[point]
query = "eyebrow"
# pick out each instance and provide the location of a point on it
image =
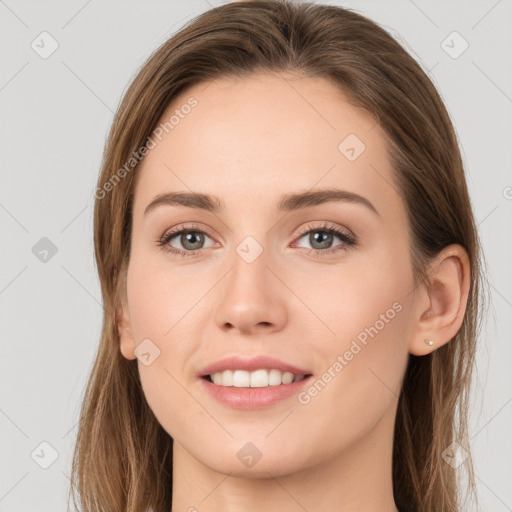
(287, 202)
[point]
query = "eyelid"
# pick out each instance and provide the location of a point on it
(184, 227)
(323, 225)
(344, 234)
(305, 229)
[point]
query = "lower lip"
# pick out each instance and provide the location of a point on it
(253, 398)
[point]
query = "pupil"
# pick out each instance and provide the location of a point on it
(191, 238)
(323, 244)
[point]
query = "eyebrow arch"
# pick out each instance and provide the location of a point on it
(287, 202)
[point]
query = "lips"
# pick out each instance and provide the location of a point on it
(251, 364)
(253, 398)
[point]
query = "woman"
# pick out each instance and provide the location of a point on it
(238, 368)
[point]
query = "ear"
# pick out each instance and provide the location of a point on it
(124, 330)
(442, 301)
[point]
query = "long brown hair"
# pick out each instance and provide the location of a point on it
(123, 457)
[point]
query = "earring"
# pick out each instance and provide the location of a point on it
(429, 342)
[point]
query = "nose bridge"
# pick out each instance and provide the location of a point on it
(249, 265)
(249, 295)
(257, 252)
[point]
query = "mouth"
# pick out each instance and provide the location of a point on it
(260, 378)
(254, 390)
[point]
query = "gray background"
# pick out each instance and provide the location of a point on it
(56, 112)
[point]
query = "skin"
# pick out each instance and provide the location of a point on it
(248, 141)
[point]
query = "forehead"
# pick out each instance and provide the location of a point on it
(253, 139)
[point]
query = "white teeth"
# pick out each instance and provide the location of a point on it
(274, 377)
(240, 379)
(257, 379)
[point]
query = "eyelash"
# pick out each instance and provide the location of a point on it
(348, 240)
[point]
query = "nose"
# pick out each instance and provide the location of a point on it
(252, 299)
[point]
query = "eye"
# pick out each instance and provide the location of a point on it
(191, 239)
(321, 239)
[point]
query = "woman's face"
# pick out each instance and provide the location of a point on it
(267, 279)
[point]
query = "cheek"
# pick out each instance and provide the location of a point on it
(159, 299)
(162, 305)
(363, 294)
(367, 311)
(158, 312)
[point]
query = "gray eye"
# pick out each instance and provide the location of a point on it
(189, 240)
(320, 239)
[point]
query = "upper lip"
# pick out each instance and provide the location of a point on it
(250, 364)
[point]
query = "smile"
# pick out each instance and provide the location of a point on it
(256, 379)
